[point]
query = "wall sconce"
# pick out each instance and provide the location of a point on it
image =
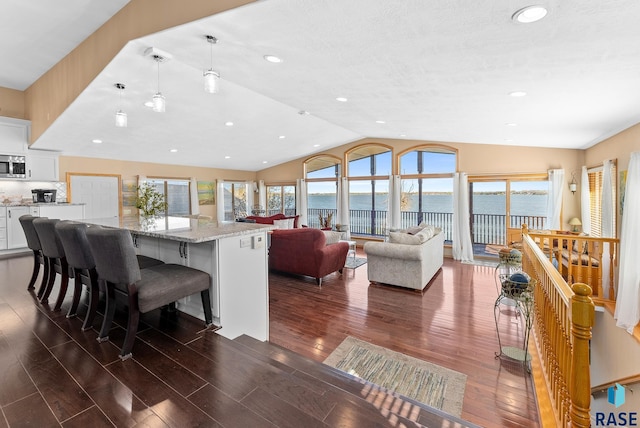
(573, 186)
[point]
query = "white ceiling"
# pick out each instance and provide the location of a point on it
(437, 70)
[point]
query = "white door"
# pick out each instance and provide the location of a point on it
(99, 193)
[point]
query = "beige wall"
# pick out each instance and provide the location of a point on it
(12, 103)
(52, 93)
(619, 147)
(130, 171)
(474, 159)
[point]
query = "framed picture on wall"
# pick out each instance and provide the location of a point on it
(206, 192)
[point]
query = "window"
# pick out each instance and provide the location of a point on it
(176, 193)
(596, 178)
(427, 187)
(281, 199)
(235, 200)
(369, 168)
(321, 173)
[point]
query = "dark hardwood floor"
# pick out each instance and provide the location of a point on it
(53, 374)
(450, 324)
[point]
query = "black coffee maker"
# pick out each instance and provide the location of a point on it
(43, 195)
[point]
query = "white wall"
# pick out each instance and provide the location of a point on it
(614, 354)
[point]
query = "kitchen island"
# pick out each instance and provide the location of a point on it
(233, 253)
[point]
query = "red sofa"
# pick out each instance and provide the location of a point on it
(304, 252)
(270, 219)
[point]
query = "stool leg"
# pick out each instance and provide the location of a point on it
(94, 296)
(64, 283)
(77, 292)
(132, 325)
(51, 280)
(45, 277)
(109, 311)
(36, 269)
(206, 306)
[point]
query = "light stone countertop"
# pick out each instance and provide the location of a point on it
(180, 228)
(40, 204)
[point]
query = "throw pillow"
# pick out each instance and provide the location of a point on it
(413, 230)
(331, 236)
(405, 238)
(283, 224)
(425, 234)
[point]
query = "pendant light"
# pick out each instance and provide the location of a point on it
(211, 77)
(159, 104)
(121, 117)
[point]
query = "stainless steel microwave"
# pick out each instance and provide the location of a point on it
(13, 166)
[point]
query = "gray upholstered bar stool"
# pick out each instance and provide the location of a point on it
(79, 258)
(33, 242)
(53, 252)
(145, 289)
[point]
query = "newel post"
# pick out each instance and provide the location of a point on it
(582, 318)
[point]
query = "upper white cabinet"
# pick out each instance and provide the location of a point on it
(42, 165)
(14, 136)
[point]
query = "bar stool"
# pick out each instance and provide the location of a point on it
(73, 236)
(79, 258)
(145, 289)
(33, 242)
(53, 252)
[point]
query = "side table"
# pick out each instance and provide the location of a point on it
(352, 247)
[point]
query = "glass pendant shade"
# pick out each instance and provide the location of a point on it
(211, 78)
(121, 119)
(159, 104)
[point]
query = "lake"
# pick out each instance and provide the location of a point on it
(521, 204)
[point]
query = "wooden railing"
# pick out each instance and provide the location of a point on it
(582, 259)
(563, 318)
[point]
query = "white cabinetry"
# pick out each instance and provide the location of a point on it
(3, 228)
(42, 165)
(14, 136)
(15, 234)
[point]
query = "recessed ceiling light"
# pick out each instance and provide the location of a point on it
(508, 140)
(173, 150)
(264, 161)
(316, 145)
(529, 14)
(380, 121)
(403, 135)
(227, 157)
(96, 141)
(342, 99)
(148, 104)
(518, 93)
(303, 113)
(511, 124)
(282, 137)
(228, 123)
(272, 58)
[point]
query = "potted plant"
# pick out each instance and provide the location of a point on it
(149, 201)
(325, 221)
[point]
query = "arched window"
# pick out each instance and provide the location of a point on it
(368, 169)
(322, 173)
(427, 174)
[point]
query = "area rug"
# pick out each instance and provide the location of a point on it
(353, 263)
(425, 382)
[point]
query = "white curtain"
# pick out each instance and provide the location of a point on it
(394, 216)
(628, 299)
(344, 213)
(607, 223)
(554, 203)
(249, 186)
(585, 202)
(220, 200)
(301, 201)
(462, 247)
(193, 195)
(262, 196)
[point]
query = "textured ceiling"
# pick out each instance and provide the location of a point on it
(437, 70)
